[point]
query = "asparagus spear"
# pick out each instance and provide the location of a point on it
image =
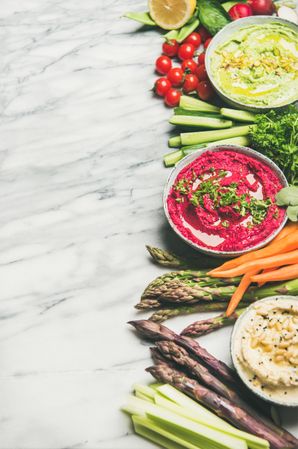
(164, 314)
(148, 303)
(203, 327)
(175, 353)
(222, 407)
(171, 260)
(155, 332)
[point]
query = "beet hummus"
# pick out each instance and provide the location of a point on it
(225, 201)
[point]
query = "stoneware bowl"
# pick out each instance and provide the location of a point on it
(223, 36)
(235, 334)
(190, 158)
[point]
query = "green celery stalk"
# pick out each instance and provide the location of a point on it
(153, 432)
(174, 141)
(142, 17)
(172, 158)
(211, 136)
(238, 116)
(142, 396)
(202, 122)
(194, 104)
(172, 34)
(145, 390)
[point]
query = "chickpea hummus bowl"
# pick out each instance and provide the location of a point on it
(264, 349)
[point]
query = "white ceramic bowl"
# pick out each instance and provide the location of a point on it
(190, 158)
(237, 334)
(225, 34)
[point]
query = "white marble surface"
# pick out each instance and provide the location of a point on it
(80, 195)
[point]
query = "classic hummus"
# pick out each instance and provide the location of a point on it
(258, 65)
(266, 348)
(225, 200)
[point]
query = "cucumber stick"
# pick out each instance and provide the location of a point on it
(212, 136)
(174, 141)
(239, 116)
(182, 111)
(212, 15)
(172, 158)
(194, 104)
(202, 122)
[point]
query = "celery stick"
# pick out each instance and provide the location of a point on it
(145, 390)
(172, 158)
(142, 396)
(202, 122)
(211, 136)
(199, 432)
(174, 141)
(252, 441)
(148, 429)
(238, 116)
(196, 105)
(195, 411)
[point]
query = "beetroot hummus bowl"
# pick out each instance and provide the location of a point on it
(221, 200)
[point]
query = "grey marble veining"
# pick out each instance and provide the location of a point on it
(81, 181)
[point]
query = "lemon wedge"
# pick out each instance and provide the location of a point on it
(171, 14)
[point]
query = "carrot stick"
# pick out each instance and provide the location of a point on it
(267, 270)
(267, 262)
(240, 290)
(290, 227)
(288, 243)
(283, 274)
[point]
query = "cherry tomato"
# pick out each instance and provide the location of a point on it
(186, 51)
(163, 64)
(193, 39)
(172, 97)
(205, 90)
(207, 42)
(175, 76)
(170, 48)
(190, 83)
(201, 73)
(161, 86)
(201, 58)
(262, 7)
(240, 10)
(189, 65)
(204, 34)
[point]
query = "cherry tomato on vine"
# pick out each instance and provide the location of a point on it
(175, 76)
(186, 51)
(193, 39)
(163, 64)
(207, 42)
(190, 83)
(204, 34)
(161, 86)
(201, 72)
(189, 65)
(201, 58)
(172, 97)
(205, 90)
(170, 48)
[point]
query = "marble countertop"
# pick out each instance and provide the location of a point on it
(81, 184)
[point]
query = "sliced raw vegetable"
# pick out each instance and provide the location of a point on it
(239, 293)
(173, 34)
(238, 116)
(202, 122)
(142, 17)
(145, 390)
(174, 141)
(211, 136)
(171, 159)
(282, 274)
(194, 104)
(182, 111)
(188, 29)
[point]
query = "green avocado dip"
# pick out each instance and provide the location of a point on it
(258, 65)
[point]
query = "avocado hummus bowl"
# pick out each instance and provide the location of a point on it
(253, 62)
(264, 348)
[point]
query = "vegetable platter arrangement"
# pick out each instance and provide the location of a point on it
(229, 70)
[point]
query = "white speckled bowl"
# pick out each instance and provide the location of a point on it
(190, 158)
(222, 36)
(236, 333)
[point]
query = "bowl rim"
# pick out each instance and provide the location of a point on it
(229, 29)
(240, 373)
(216, 148)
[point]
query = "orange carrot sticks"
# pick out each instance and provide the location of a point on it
(282, 274)
(239, 292)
